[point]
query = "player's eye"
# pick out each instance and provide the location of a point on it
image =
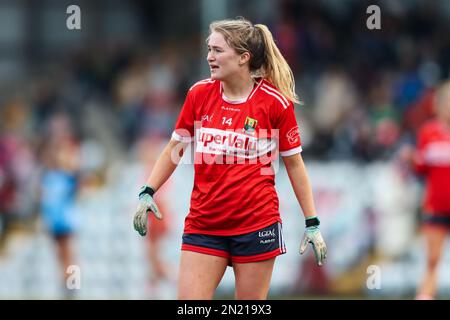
(214, 49)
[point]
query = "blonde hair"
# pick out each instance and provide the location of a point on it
(266, 59)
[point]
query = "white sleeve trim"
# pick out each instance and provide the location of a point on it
(291, 152)
(177, 137)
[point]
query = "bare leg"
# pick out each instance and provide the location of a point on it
(253, 279)
(199, 275)
(65, 256)
(435, 238)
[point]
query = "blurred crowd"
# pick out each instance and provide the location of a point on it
(364, 92)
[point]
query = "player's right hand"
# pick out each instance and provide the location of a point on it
(146, 205)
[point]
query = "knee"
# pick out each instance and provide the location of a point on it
(433, 261)
(186, 295)
(250, 294)
(250, 297)
(194, 293)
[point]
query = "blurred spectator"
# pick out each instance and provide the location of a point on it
(60, 159)
(335, 100)
(17, 164)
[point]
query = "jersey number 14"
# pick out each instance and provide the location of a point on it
(227, 121)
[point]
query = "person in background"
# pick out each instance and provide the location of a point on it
(60, 156)
(431, 159)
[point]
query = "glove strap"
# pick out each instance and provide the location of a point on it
(147, 190)
(312, 222)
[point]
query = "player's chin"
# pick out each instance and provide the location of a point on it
(215, 76)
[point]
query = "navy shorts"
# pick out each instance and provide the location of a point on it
(259, 245)
(442, 219)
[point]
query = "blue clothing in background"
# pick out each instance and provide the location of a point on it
(57, 201)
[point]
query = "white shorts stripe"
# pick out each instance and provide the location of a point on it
(282, 245)
(279, 239)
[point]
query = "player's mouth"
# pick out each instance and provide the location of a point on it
(213, 67)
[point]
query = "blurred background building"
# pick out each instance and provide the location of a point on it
(121, 81)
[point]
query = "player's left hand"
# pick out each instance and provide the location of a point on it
(312, 235)
(146, 205)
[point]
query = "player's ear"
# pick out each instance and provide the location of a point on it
(244, 58)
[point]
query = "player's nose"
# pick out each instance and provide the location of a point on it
(210, 57)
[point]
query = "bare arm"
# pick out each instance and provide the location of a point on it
(163, 169)
(166, 164)
(296, 170)
(302, 189)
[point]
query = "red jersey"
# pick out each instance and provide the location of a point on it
(433, 161)
(235, 142)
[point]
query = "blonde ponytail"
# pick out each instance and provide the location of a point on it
(276, 69)
(266, 59)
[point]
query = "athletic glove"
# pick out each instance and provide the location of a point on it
(146, 205)
(312, 235)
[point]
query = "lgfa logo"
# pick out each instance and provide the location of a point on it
(267, 233)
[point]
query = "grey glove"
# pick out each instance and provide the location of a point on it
(312, 235)
(146, 205)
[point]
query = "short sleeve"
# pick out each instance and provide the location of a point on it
(289, 134)
(184, 127)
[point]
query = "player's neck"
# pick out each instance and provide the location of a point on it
(238, 88)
